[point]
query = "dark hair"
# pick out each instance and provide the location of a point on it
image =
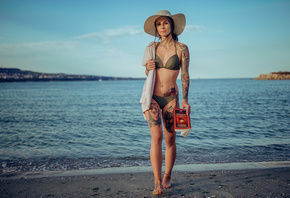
(171, 22)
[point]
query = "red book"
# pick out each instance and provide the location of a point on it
(181, 121)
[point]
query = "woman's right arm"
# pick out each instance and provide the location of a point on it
(150, 65)
(146, 72)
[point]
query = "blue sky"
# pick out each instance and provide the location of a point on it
(226, 38)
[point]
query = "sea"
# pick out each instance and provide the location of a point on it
(77, 125)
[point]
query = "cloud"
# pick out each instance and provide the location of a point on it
(193, 28)
(112, 34)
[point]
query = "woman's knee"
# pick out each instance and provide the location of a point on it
(170, 141)
(157, 138)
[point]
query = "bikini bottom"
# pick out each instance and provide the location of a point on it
(163, 101)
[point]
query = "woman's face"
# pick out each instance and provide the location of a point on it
(163, 26)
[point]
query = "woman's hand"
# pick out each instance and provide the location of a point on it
(150, 64)
(186, 106)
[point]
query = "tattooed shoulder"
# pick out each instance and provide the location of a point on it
(182, 46)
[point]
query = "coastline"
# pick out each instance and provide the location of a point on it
(17, 75)
(146, 169)
(274, 76)
(249, 179)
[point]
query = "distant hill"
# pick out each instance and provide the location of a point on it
(15, 75)
(274, 76)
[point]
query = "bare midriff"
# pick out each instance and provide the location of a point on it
(165, 81)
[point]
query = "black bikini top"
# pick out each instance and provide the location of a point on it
(172, 63)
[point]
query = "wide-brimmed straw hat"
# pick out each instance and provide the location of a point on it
(178, 19)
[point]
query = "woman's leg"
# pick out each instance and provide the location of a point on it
(170, 136)
(153, 116)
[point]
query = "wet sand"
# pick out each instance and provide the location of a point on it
(266, 179)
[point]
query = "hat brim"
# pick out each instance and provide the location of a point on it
(179, 24)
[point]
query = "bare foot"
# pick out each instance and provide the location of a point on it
(158, 188)
(166, 181)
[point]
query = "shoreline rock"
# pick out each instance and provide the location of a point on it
(274, 76)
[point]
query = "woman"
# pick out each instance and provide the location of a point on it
(171, 57)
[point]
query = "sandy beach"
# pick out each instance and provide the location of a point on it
(259, 179)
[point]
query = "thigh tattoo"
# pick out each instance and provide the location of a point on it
(168, 119)
(154, 115)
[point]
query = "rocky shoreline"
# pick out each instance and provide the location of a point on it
(274, 76)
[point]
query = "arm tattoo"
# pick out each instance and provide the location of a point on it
(184, 71)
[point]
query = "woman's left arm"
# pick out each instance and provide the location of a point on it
(185, 77)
